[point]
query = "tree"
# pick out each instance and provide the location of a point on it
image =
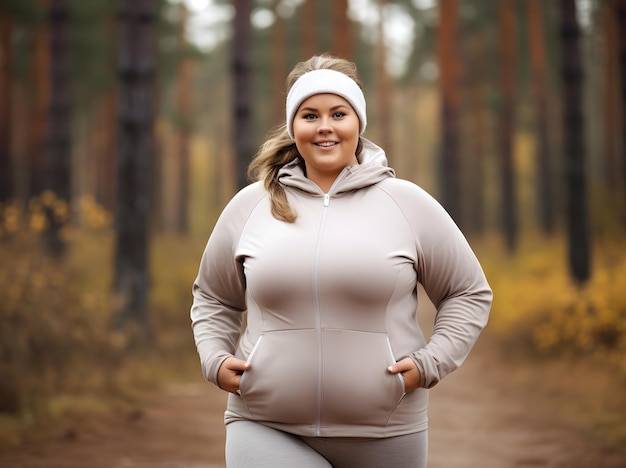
(278, 59)
(241, 68)
(478, 34)
(136, 69)
(574, 144)
(58, 161)
(105, 140)
(106, 135)
(183, 103)
(449, 87)
(6, 160)
(508, 207)
(40, 97)
(341, 44)
(383, 88)
(621, 16)
(611, 96)
(545, 198)
(309, 35)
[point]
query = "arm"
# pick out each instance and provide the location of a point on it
(455, 283)
(453, 279)
(219, 290)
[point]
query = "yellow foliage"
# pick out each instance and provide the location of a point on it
(56, 335)
(87, 214)
(536, 303)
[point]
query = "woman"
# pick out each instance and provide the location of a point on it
(325, 252)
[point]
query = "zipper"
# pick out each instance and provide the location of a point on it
(318, 320)
(318, 312)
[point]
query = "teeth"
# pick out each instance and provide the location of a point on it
(326, 143)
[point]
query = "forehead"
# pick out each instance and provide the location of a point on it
(324, 101)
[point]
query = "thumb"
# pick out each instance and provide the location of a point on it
(403, 365)
(238, 364)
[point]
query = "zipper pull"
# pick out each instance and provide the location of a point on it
(326, 199)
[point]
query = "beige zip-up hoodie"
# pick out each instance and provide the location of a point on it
(331, 302)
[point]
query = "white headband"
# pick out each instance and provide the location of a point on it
(325, 81)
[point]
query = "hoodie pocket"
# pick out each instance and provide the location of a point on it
(357, 389)
(280, 385)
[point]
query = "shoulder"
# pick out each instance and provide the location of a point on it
(249, 195)
(421, 210)
(243, 204)
(404, 193)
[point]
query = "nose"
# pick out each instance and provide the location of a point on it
(325, 125)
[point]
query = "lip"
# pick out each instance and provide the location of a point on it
(326, 144)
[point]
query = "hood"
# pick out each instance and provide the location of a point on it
(372, 168)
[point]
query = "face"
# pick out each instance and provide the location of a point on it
(326, 131)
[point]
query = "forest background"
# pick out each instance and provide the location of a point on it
(126, 126)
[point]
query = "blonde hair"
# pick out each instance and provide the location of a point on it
(279, 148)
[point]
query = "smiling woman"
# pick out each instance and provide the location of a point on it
(325, 252)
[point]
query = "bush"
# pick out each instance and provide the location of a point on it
(538, 305)
(59, 354)
(55, 313)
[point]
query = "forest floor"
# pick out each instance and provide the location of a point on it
(479, 417)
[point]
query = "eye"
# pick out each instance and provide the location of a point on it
(339, 114)
(309, 116)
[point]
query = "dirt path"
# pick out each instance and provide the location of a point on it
(480, 419)
(476, 420)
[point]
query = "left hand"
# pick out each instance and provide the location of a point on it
(409, 371)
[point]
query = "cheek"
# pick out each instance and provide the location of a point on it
(302, 132)
(350, 130)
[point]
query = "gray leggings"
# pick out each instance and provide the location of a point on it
(253, 445)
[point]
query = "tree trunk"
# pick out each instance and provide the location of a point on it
(611, 96)
(341, 32)
(183, 104)
(475, 221)
(508, 208)
(106, 151)
(383, 88)
(308, 16)
(40, 105)
(58, 161)
(449, 86)
(136, 68)
(7, 189)
(476, 132)
(574, 147)
(106, 134)
(621, 18)
(243, 135)
(278, 54)
(545, 197)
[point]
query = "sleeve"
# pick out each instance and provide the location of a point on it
(219, 292)
(454, 281)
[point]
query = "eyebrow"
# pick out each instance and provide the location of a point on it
(309, 109)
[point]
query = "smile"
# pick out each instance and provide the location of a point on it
(326, 144)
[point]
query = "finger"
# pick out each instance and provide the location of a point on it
(237, 364)
(403, 365)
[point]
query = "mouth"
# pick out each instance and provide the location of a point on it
(326, 144)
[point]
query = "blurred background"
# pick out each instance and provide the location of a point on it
(126, 126)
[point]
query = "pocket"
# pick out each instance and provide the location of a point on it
(280, 385)
(357, 388)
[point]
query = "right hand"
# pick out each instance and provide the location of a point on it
(229, 373)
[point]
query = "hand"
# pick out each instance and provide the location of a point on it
(409, 371)
(229, 373)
